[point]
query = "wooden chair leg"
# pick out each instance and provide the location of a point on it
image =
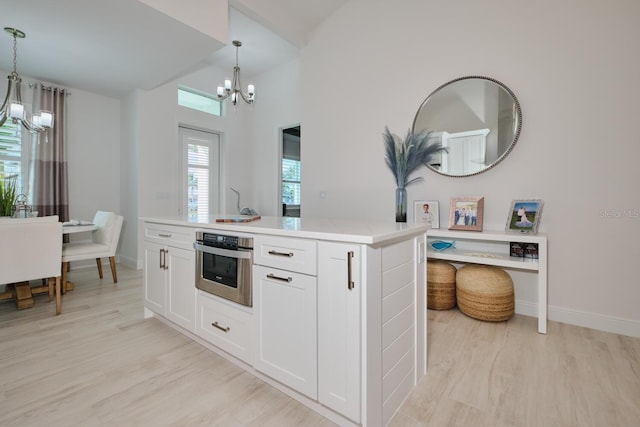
(112, 262)
(99, 264)
(58, 296)
(50, 284)
(65, 268)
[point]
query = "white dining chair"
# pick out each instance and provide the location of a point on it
(103, 244)
(31, 249)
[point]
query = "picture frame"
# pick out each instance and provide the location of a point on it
(431, 217)
(466, 213)
(524, 216)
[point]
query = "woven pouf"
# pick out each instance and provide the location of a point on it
(441, 285)
(485, 292)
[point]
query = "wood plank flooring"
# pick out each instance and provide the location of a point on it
(101, 364)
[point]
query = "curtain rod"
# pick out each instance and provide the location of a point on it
(50, 88)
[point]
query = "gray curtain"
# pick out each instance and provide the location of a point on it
(49, 182)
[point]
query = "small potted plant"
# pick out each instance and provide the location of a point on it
(7, 194)
(404, 157)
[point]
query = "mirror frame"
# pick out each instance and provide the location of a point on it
(515, 136)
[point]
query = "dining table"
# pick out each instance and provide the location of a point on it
(73, 227)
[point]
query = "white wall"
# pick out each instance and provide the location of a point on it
(151, 153)
(574, 69)
(278, 103)
(93, 154)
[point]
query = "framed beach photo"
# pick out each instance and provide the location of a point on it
(466, 213)
(524, 216)
(426, 212)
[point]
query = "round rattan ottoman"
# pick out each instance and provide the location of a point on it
(441, 285)
(485, 292)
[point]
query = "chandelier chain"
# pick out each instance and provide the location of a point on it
(15, 53)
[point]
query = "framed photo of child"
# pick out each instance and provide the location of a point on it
(524, 216)
(426, 212)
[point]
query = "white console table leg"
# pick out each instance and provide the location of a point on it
(542, 287)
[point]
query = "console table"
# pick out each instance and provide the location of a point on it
(492, 248)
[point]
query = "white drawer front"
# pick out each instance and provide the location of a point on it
(225, 326)
(170, 235)
(297, 255)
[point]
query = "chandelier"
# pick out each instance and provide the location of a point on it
(13, 108)
(232, 88)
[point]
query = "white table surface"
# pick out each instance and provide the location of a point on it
(70, 229)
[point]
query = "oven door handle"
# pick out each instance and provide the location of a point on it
(222, 252)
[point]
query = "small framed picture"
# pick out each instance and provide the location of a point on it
(466, 213)
(426, 212)
(524, 216)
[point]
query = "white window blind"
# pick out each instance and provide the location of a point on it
(290, 182)
(198, 180)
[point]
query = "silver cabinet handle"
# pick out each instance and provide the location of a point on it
(223, 329)
(282, 279)
(164, 235)
(287, 254)
(162, 259)
(350, 284)
(166, 267)
(239, 254)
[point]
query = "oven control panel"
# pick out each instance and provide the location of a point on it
(220, 241)
(224, 241)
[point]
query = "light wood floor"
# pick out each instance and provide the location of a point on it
(101, 364)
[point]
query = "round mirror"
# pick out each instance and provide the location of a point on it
(477, 119)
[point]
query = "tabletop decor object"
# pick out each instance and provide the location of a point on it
(441, 245)
(524, 216)
(7, 194)
(466, 213)
(404, 157)
(427, 212)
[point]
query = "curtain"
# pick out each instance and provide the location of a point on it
(49, 186)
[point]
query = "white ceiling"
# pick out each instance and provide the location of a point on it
(113, 47)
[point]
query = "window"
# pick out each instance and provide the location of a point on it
(13, 161)
(290, 182)
(201, 101)
(290, 172)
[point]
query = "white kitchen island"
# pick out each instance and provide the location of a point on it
(351, 350)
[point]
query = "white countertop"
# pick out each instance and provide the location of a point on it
(369, 232)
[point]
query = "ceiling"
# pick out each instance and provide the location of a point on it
(116, 46)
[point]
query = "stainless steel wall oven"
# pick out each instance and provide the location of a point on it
(223, 266)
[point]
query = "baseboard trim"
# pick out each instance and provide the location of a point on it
(599, 322)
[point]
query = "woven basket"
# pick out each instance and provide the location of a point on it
(441, 285)
(485, 292)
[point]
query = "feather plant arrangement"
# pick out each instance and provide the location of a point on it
(404, 157)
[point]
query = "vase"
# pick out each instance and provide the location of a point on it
(401, 204)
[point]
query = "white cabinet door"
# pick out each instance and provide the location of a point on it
(181, 307)
(284, 305)
(155, 285)
(339, 327)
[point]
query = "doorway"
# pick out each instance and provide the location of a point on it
(290, 168)
(200, 172)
